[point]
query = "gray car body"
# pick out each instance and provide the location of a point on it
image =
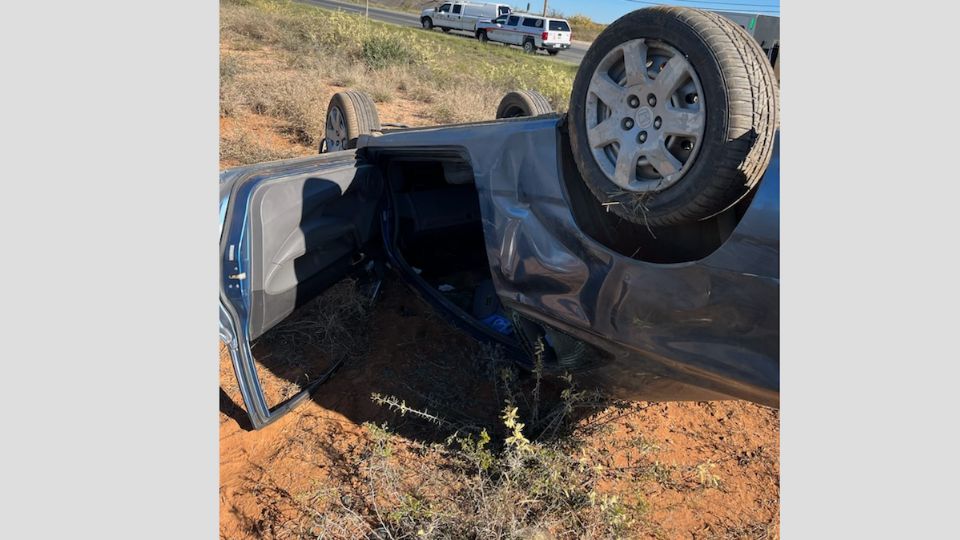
(702, 329)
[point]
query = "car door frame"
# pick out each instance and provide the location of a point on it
(238, 187)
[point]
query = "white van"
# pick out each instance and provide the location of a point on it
(532, 32)
(461, 15)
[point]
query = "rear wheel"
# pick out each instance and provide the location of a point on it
(349, 115)
(523, 103)
(529, 47)
(672, 115)
(445, 30)
(552, 52)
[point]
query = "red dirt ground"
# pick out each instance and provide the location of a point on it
(715, 464)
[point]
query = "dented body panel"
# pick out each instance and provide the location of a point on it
(711, 323)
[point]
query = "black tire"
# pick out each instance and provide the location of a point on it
(553, 52)
(482, 36)
(359, 118)
(741, 115)
(529, 47)
(426, 23)
(445, 30)
(523, 103)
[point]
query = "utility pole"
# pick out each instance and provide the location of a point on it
(366, 12)
(544, 8)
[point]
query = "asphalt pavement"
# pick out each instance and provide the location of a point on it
(573, 55)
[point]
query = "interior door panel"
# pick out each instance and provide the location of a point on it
(306, 232)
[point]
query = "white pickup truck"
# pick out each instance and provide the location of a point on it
(461, 15)
(532, 32)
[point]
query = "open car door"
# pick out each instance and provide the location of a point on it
(289, 230)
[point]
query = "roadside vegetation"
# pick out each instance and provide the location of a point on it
(520, 475)
(423, 433)
(281, 62)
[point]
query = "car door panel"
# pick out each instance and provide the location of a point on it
(496, 32)
(511, 31)
(456, 15)
(305, 231)
(443, 16)
(289, 231)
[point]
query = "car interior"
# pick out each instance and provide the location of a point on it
(439, 234)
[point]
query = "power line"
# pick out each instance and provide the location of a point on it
(767, 8)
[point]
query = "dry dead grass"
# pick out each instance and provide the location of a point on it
(284, 61)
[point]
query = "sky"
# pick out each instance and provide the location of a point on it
(606, 11)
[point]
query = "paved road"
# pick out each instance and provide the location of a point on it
(573, 55)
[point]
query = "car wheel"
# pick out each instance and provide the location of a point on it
(672, 115)
(445, 30)
(523, 103)
(482, 36)
(426, 23)
(552, 52)
(349, 115)
(529, 47)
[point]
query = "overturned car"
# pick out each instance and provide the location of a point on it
(634, 239)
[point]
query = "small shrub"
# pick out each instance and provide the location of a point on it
(380, 51)
(249, 24)
(347, 75)
(381, 89)
(510, 484)
(230, 66)
(706, 476)
(293, 97)
(422, 93)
